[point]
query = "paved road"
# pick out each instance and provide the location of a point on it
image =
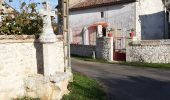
(126, 82)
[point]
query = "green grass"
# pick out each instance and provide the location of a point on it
(89, 59)
(135, 64)
(84, 88)
(139, 64)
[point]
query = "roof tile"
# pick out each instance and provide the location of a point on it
(97, 3)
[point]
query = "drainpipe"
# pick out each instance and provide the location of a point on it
(135, 24)
(165, 20)
(135, 17)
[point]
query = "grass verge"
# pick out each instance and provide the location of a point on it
(84, 88)
(89, 59)
(135, 64)
(152, 65)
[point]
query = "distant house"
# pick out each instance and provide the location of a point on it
(90, 19)
(7, 10)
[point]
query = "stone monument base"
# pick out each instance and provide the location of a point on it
(47, 87)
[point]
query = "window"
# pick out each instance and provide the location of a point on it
(102, 14)
(104, 31)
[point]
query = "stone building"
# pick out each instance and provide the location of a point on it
(146, 17)
(93, 19)
(151, 51)
(6, 9)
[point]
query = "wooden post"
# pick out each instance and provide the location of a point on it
(63, 28)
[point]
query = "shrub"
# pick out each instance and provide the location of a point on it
(28, 22)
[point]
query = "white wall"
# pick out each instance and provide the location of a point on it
(118, 16)
(150, 20)
(20, 59)
(146, 16)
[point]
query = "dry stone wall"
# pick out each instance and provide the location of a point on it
(149, 51)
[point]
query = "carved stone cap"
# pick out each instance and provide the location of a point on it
(48, 38)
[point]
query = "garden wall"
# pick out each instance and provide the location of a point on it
(82, 50)
(149, 51)
(103, 49)
(21, 57)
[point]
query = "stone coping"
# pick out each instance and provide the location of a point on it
(16, 37)
(101, 38)
(150, 42)
(23, 38)
(82, 45)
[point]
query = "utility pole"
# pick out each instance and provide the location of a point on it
(63, 20)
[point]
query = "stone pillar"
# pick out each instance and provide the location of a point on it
(71, 35)
(85, 36)
(111, 49)
(48, 38)
(99, 31)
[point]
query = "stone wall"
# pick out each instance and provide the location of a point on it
(103, 49)
(82, 50)
(21, 58)
(156, 51)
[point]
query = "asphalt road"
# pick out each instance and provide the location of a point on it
(128, 83)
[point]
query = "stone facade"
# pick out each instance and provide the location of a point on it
(101, 50)
(155, 51)
(21, 59)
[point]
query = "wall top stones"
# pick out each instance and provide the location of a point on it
(23, 38)
(151, 43)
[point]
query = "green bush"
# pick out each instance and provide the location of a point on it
(26, 22)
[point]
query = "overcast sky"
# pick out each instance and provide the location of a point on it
(16, 3)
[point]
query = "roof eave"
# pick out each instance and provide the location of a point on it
(101, 5)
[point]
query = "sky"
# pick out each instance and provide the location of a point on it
(16, 3)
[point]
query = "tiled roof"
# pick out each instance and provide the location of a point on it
(98, 3)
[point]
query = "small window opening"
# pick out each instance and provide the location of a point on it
(102, 14)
